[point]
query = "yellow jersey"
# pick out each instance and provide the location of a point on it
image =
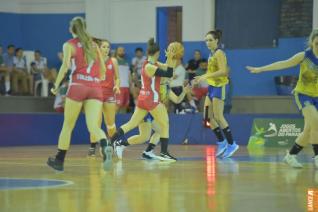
(213, 66)
(308, 75)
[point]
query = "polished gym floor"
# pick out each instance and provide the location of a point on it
(253, 180)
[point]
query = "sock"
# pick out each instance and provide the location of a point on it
(60, 155)
(7, 86)
(150, 147)
(103, 142)
(192, 103)
(218, 134)
(120, 132)
(228, 135)
(295, 149)
(93, 145)
(164, 145)
(315, 147)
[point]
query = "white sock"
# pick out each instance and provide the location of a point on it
(192, 103)
(7, 86)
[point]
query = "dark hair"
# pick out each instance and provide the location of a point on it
(18, 49)
(99, 41)
(139, 49)
(10, 46)
(37, 51)
(217, 34)
(152, 47)
(203, 61)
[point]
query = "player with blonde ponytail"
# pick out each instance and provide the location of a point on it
(88, 69)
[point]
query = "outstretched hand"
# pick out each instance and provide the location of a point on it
(116, 89)
(254, 70)
(198, 79)
(54, 90)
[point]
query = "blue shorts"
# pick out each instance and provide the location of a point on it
(303, 100)
(218, 92)
(148, 118)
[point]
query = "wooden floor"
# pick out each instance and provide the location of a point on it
(253, 180)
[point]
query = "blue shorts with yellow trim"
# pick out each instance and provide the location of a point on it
(148, 118)
(303, 100)
(218, 92)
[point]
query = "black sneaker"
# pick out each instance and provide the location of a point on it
(91, 152)
(165, 156)
(55, 164)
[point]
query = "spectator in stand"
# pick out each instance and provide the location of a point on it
(20, 72)
(200, 90)
(193, 64)
(4, 73)
(138, 61)
(136, 64)
(123, 99)
(40, 70)
(8, 63)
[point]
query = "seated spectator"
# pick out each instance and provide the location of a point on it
(123, 99)
(39, 68)
(8, 65)
(20, 73)
(4, 73)
(200, 90)
(193, 64)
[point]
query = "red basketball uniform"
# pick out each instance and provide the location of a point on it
(149, 95)
(109, 83)
(84, 79)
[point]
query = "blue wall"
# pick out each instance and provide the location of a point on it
(10, 29)
(48, 32)
(44, 129)
(37, 31)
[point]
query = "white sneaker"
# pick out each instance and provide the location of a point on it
(291, 160)
(119, 151)
(149, 155)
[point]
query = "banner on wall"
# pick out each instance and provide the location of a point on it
(275, 132)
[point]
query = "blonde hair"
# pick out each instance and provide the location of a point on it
(78, 26)
(312, 36)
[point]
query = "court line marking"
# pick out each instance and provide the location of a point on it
(66, 183)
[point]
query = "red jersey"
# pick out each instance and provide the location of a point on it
(149, 95)
(109, 82)
(83, 73)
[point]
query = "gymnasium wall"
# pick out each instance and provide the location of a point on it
(44, 129)
(33, 24)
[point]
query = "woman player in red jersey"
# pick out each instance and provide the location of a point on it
(111, 87)
(149, 98)
(88, 68)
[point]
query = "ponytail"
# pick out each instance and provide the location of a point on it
(78, 26)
